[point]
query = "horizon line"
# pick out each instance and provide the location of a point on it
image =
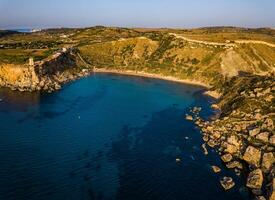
(138, 27)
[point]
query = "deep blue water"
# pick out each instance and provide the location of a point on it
(108, 137)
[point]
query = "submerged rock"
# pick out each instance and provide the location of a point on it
(227, 183)
(204, 149)
(189, 117)
(260, 198)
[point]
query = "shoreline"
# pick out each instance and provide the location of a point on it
(150, 75)
(209, 93)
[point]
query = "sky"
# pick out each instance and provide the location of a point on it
(136, 13)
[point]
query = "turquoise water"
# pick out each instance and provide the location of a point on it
(108, 137)
(22, 30)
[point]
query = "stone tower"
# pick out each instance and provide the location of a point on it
(31, 62)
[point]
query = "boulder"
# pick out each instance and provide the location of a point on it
(212, 143)
(263, 136)
(252, 156)
(216, 134)
(269, 123)
(226, 157)
(216, 169)
(238, 128)
(234, 164)
(205, 138)
(268, 161)
(189, 117)
(254, 132)
(234, 140)
(215, 106)
(272, 140)
(258, 116)
(255, 179)
(209, 129)
(227, 183)
(230, 148)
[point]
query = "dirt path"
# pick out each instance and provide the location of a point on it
(224, 44)
(203, 42)
(254, 42)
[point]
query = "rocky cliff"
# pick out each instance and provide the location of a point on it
(47, 75)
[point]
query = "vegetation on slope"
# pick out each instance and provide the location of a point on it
(152, 50)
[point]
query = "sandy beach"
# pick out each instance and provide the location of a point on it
(149, 75)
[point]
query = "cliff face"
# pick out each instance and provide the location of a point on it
(46, 75)
(18, 77)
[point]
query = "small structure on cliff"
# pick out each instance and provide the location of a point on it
(31, 62)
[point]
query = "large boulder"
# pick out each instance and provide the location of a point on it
(232, 145)
(255, 179)
(252, 155)
(268, 161)
(263, 136)
(230, 148)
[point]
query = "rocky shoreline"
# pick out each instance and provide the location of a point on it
(244, 133)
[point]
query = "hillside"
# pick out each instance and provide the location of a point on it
(208, 55)
(172, 54)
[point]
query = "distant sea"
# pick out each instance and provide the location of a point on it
(23, 30)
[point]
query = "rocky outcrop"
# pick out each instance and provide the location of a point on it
(46, 75)
(244, 133)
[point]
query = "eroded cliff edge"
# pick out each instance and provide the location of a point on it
(45, 75)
